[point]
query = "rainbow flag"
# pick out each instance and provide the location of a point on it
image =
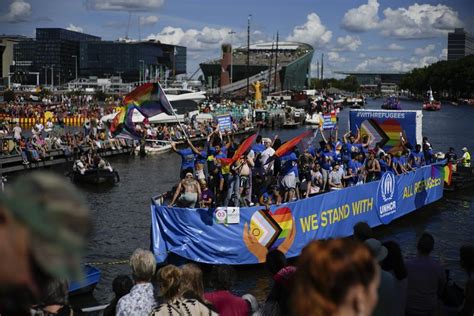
(244, 146)
(289, 145)
(148, 99)
(447, 173)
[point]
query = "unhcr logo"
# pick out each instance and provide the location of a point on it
(386, 198)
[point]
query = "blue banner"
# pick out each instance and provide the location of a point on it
(386, 127)
(195, 234)
(225, 123)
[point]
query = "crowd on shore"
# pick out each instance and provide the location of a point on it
(259, 177)
(44, 241)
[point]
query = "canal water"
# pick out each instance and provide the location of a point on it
(121, 214)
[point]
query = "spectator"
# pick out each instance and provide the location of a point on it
(192, 286)
(362, 231)
(395, 265)
(54, 300)
(335, 277)
(426, 279)
(41, 238)
(170, 279)
(467, 263)
(121, 286)
(226, 303)
(140, 300)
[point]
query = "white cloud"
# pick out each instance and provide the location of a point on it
(362, 18)
(389, 63)
(19, 11)
(415, 21)
(362, 55)
(349, 42)
(75, 28)
(335, 57)
(207, 38)
(148, 20)
(424, 51)
(312, 32)
(419, 21)
(394, 46)
(124, 5)
(444, 54)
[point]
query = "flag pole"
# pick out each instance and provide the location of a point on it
(174, 113)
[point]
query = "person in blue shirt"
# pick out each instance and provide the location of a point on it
(417, 158)
(201, 159)
(289, 172)
(187, 159)
(428, 154)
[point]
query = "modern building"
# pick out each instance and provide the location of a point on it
(460, 44)
(370, 81)
(7, 43)
(291, 59)
(131, 61)
(61, 56)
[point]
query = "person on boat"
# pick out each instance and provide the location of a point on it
(335, 178)
(140, 300)
(269, 196)
(265, 155)
(289, 174)
(207, 197)
(188, 191)
(80, 165)
(314, 181)
(335, 277)
(373, 168)
(416, 158)
(465, 160)
(451, 155)
(201, 159)
(170, 280)
(350, 178)
(188, 159)
(226, 303)
(428, 154)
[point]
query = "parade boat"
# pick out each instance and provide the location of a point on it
(313, 119)
(95, 176)
(238, 236)
(92, 277)
(431, 104)
(153, 147)
(391, 103)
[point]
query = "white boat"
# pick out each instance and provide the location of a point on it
(314, 119)
(153, 147)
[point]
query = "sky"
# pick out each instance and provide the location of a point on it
(353, 35)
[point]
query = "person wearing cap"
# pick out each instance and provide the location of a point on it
(265, 155)
(465, 160)
(189, 192)
(386, 289)
(42, 236)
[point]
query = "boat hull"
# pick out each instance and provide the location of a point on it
(92, 277)
(434, 106)
(96, 176)
(213, 236)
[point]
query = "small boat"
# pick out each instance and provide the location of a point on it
(431, 104)
(92, 277)
(96, 176)
(290, 125)
(153, 147)
(391, 103)
(357, 105)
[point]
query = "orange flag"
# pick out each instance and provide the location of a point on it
(244, 146)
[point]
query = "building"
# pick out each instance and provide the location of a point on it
(460, 44)
(61, 56)
(132, 61)
(292, 61)
(385, 82)
(7, 43)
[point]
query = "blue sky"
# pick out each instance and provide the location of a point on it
(353, 35)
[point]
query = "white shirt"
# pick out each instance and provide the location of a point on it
(17, 132)
(264, 156)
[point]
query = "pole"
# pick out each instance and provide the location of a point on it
(322, 67)
(174, 113)
(52, 77)
(276, 66)
(247, 70)
(231, 55)
(270, 69)
(141, 70)
(45, 76)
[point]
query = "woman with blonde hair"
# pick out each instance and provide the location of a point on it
(336, 277)
(192, 286)
(170, 280)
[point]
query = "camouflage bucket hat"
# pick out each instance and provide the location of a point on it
(57, 218)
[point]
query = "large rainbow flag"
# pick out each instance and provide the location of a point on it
(148, 99)
(244, 146)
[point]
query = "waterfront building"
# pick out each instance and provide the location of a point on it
(292, 61)
(61, 56)
(460, 44)
(7, 43)
(385, 82)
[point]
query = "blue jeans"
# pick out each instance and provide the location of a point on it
(233, 190)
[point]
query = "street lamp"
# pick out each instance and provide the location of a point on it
(75, 61)
(231, 54)
(141, 61)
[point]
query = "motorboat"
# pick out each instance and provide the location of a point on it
(431, 104)
(391, 103)
(153, 147)
(95, 176)
(313, 119)
(91, 278)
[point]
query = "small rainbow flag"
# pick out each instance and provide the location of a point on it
(447, 173)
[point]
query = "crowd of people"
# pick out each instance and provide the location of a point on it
(259, 177)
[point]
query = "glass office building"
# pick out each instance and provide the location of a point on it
(460, 44)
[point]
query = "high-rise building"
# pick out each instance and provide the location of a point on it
(61, 55)
(7, 43)
(460, 44)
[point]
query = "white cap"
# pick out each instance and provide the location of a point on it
(464, 148)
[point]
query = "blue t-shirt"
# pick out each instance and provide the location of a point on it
(288, 164)
(418, 158)
(187, 158)
(201, 158)
(355, 165)
(258, 148)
